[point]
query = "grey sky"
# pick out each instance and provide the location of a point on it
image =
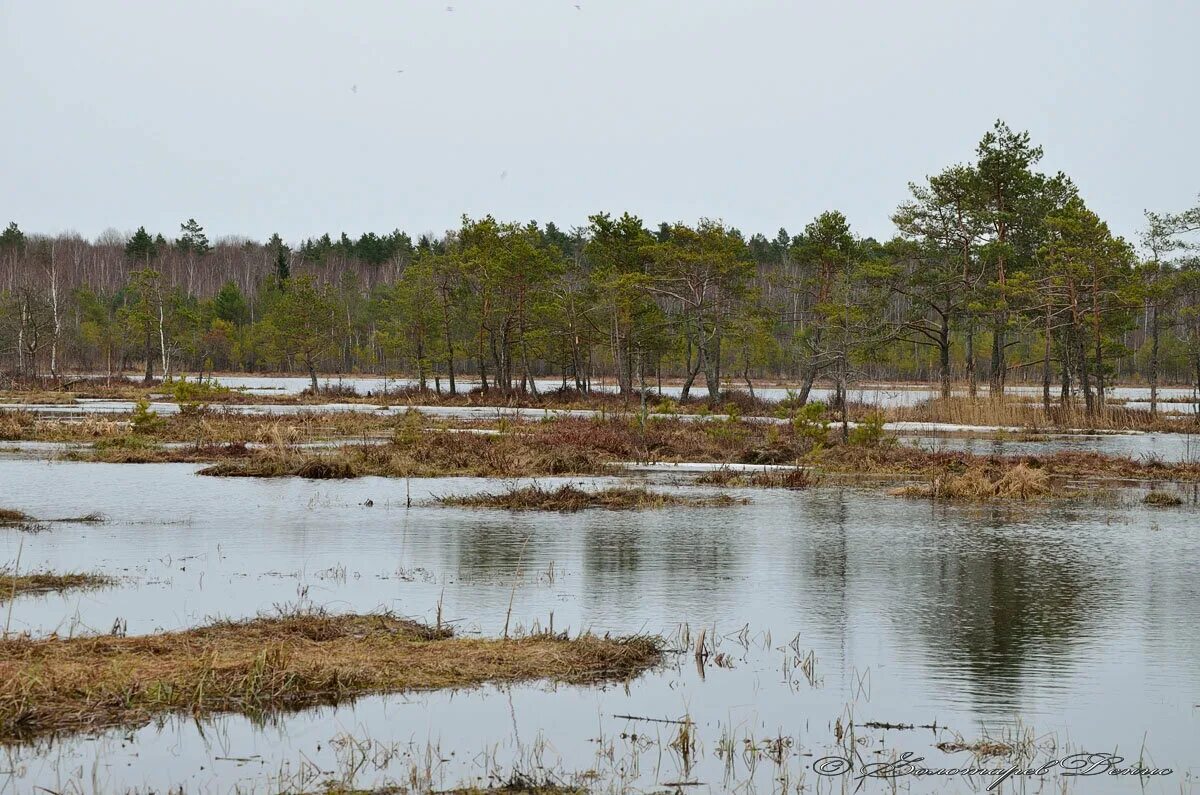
(245, 114)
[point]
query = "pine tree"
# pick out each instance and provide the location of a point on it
(141, 246)
(192, 239)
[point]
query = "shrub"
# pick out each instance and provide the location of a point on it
(869, 432)
(143, 419)
(810, 424)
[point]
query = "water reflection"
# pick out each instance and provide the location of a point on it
(1081, 621)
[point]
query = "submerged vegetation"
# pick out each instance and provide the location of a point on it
(568, 498)
(268, 664)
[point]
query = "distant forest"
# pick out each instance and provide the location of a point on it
(999, 273)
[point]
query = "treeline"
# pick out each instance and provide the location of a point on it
(999, 273)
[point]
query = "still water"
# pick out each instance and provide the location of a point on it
(1073, 623)
(871, 394)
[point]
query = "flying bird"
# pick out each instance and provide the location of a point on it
(354, 88)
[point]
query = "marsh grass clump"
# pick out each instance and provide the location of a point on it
(568, 499)
(429, 454)
(796, 478)
(267, 665)
(12, 585)
(1020, 482)
(517, 784)
(1162, 498)
(981, 748)
(10, 516)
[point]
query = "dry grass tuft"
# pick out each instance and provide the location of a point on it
(517, 785)
(46, 582)
(1019, 482)
(9, 516)
(1162, 498)
(1027, 412)
(568, 498)
(266, 665)
(765, 479)
(981, 748)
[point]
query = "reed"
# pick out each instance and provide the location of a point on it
(1028, 414)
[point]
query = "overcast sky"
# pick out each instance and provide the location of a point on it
(256, 116)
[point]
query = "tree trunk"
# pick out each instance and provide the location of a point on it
(149, 351)
(312, 374)
(996, 380)
(972, 376)
(1154, 361)
(1046, 348)
(712, 372)
(691, 378)
(944, 357)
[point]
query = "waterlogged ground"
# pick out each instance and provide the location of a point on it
(1068, 628)
(884, 395)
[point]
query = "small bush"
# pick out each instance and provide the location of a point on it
(869, 432)
(810, 424)
(409, 427)
(198, 391)
(143, 419)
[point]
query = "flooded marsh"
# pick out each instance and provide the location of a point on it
(826, 613)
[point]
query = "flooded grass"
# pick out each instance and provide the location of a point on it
(1028, 413)
(568, 499)
(1020, 482)
(13, 585)
(22, 521)
(432, 455)
(1162, 498)
(770, 479)
(264, 665)
(906, 460)
(10, 516)
(519, 785)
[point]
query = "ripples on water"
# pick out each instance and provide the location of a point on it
(1078, 621)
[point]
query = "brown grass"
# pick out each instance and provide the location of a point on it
(568, 498)
(46, 582)
(796, 478)
(1019, 482)
(271, 664)
(909, 460)
(1027, 413)
(434, 455)
(9, 516)
(981, 748)
(518, 785)
(1162, 498)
